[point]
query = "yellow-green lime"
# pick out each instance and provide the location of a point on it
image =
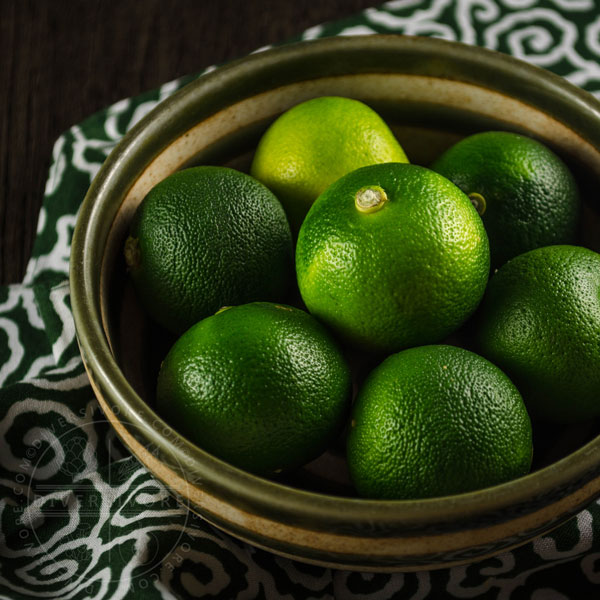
(434, 421)
(525, 193)
(205, 237)
(391, 256)
(262, 386)
(540, 322)
(316, 142)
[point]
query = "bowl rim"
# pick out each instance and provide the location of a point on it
(141, 144)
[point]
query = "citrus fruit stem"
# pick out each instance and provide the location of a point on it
(132, 252)
(478, 201)
(370, 199)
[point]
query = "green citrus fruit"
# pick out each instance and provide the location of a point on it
(262, 386)
(525, 193)
(434, 421)
(540, 322)
(316, 142)
(206, 237)
(391, 256)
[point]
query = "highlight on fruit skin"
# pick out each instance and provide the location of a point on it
(262, 386)
(435, 421)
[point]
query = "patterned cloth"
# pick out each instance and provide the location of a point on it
(80, 518)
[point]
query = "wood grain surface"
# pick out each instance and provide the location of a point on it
(61, 60)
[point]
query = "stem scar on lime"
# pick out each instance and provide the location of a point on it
(370, 199)
(132, 252)
(478, 201)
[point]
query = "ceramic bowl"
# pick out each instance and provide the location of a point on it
(432, 93)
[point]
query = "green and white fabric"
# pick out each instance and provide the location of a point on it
(80, 518)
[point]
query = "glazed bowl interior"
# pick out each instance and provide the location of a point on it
(431, 93)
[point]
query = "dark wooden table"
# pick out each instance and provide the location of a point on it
(61, 60)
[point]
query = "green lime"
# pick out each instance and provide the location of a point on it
(392, 256)
(206, 237)
(316, 142)
(434, 421)
(525, 193)
(262, 386)
(540, 322)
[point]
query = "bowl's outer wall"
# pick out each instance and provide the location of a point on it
(316, 527)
